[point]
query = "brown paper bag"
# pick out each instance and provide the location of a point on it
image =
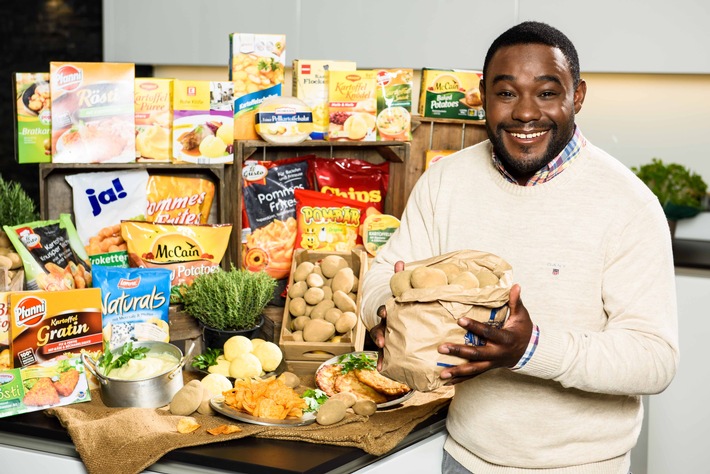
(421, 319)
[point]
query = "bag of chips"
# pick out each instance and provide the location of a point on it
(353, 179)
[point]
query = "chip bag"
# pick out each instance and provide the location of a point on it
(419, 320)
(353, 179)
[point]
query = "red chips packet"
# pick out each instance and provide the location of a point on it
(353, 179)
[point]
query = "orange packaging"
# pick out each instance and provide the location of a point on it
(93, 113)
(352, 105)
(179, 200)
(432, 156)
(154, 119)
(45, 325)
(5, 360)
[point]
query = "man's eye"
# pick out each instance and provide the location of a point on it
(547, 94)
(505, 94)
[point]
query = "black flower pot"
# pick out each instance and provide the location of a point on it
(216, 338)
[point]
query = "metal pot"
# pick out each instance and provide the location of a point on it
(152, 392)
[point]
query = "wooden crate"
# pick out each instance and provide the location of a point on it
(318, 352)
(303, 368)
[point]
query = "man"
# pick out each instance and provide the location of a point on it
(558, 388)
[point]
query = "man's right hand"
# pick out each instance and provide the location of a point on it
(377, 333)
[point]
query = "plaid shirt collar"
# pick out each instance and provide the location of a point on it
(554, 167)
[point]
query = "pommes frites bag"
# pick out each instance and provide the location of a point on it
(421, 319)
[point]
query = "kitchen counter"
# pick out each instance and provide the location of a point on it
(43, 434)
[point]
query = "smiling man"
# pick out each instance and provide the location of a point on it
(558, 388)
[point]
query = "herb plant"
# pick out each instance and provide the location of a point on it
(229, 300)
(16, 207)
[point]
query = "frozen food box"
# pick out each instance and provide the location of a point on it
(154, 119)
(432, 156)
(309, 86)
(54, 383)
(46, 325)
(451, 94)
(33, 118)
(203, 122)
(394, 104)
(5, 359)
(256, 67)
(93, 113)
(352, 105)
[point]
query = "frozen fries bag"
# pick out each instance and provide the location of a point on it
(421, 319)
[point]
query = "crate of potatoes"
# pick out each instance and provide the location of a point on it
(322, 310)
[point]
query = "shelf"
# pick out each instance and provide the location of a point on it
(391, 151)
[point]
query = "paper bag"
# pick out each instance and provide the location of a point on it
(421, 319)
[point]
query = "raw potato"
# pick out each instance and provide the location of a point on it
(205, 408)
(186, 401)
(315, 279)
(298, 289)
(332, 315)
(327, 293)
(343, 280)
(345, 322)
(297, 307)
(302, 271)
(349, 398)
(318, 330)
(5, 240)
(401, 282)
(344, 302)
(331, 412)
(466, 279)
(299, 323)
(451, 269)
(314, 295)
(428, 277)
(297, 336)
(5, 262)
(486, 277)
(331, 264)
(290, 379)
(320, 310)
(365, 407)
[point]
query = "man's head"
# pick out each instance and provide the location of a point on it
(531, 91)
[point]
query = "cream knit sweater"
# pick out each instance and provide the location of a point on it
(591, 251)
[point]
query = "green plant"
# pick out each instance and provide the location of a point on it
(229, 300)
(679, 190)
(16, 207)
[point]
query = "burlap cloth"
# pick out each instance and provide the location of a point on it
(129, 440)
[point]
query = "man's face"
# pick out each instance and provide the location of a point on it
(530, 102)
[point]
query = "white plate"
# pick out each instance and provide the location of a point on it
(217, 403)
(372, 354)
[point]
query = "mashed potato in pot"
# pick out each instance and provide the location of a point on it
(152, 365)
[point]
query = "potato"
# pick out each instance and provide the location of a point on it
(336, 339)
(327, 292)
(331, 412)
(343, 301)
(349, 398)
(332, 315)
(365, 407)
(318, 330)
(16, 260)
(297, 307)
(269, 355)
(346, 322)
(466, 279)
(5, 240)
(297, 336)
(401, 282)
(187, 399)
(5, 262)
(321, 309)
(298, 289)
(215, 384)
(428, 277)
(309, 310)
(236, 346)
(314, 295)
(315, 280)
(486, 277)
(356, 283)
(451, 269)
(204, 407)
(302, 271)
(331, 264)
(290, 379)
(299, 323)
(343, 280)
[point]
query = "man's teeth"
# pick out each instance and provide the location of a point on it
(528, 135)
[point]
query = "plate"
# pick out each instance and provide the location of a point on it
(373, 355)
(275, 373)
(217, 403)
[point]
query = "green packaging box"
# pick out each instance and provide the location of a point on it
(33, 118)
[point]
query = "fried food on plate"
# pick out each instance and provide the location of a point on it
(267, 398)
(42, 393)
(325, 378)
(67, 382)
(348, 382)
(380, 383)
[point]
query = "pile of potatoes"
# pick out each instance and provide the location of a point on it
(9, 260)
(441, 274)
(322, 300)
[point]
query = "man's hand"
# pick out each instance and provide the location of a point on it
(377, 333)
(504, 347)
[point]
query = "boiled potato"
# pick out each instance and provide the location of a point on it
(236, 346)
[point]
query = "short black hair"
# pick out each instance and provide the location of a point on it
(535, 32)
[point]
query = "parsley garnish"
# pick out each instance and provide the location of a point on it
(108, 363)
(352, 362)
(207, 359)
(314, 399)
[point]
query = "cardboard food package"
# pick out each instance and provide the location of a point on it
(33, 133)
(421, 319)
(154, 119)
(451, 94)
(352, 105)
(394, 104)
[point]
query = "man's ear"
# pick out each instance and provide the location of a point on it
(482, 90)
(579, 93)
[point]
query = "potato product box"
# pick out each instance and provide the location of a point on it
(33, 118)
(394, 104)
(46, 325)
(203, 122)
(154, 119)
(309, 86)
(54, 383)
(354, 340)
(432, 156)
(93, 113)
(5, 359)
(451, 94)
(256, 67)
(352, 105)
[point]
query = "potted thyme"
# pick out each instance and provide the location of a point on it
(227, 303)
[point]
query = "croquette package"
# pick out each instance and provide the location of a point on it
(101, 201)
(326, 222)
(421, 319)
(269, 225)
(179, 200)
(52, 254)
(134, 304)
(186, 250)
(353, 179)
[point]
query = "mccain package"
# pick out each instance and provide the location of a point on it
(429, 297)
